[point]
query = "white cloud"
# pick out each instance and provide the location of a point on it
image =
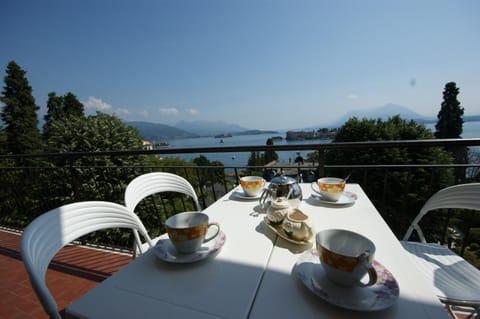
(123, 112)
(193, 112)
(94, 103)
(352, 96)
(171, 111)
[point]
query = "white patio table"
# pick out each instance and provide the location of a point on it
(252, 276)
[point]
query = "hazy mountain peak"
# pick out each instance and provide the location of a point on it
(387, 110)
(383, 112)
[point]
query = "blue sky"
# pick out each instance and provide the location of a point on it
(270, 64)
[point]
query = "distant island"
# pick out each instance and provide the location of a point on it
(223, 135)
(320, 134)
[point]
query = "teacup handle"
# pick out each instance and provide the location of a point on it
(217, 225)
(372, 273)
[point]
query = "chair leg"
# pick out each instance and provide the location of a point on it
(468, 312)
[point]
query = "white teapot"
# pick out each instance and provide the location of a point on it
(278, 209)
(298, 226)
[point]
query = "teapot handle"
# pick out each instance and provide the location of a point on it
(264, 196)
(290, 191)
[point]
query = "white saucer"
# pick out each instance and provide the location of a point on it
(347, 198)
(240, 194)
(379, 296)
(165, 250)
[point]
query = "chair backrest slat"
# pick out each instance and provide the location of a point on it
(51, 231)
(462, 196)
(157, 182)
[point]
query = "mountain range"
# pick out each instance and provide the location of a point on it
(188, 129)
(184, 129)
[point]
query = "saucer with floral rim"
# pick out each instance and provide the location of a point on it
(383, 294)
(165, 250)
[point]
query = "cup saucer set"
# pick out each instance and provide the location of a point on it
(190, 238)
(340, 268)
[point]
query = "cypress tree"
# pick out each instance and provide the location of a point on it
(54, 113)
(450, 125)
(450, 121)
(19, 113)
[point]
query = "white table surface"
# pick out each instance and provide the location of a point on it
(281, 295)
(251, 277)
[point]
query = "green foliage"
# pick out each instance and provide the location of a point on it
(270, 156)
(99, 132)
(19, 113)
(61, 108)
(260, 159)
(255, 159)
(384, 187)
(60, 181)
(3, 140)
(208, 177)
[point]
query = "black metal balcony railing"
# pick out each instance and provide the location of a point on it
(56, 178)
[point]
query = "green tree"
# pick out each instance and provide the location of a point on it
(94, 177)
(21, 136)
(100, 132)
(270, 156)
(208, 176)
(255, 159)
(19, 113)
(54, 112)
(450, 121)
(72, 106)
(3, 140)
(61, 108)
(383, 187)
(260, 159)
(450, 125)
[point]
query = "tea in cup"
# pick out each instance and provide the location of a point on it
(346, 257)
(187, 231)
(331, 187)
(252, 185)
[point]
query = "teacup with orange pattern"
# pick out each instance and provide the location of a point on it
(252, 185)
(346, 257)
(331, 187)
(187, 231)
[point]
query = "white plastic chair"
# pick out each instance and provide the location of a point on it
(49, 232)
(454, 280)
(152, 183)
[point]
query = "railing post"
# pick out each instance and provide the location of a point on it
(201, 188)
(321, 162)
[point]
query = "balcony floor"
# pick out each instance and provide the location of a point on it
(74, 271)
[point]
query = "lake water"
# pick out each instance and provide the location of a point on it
(470, 130)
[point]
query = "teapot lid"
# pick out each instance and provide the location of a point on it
(282, 180)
